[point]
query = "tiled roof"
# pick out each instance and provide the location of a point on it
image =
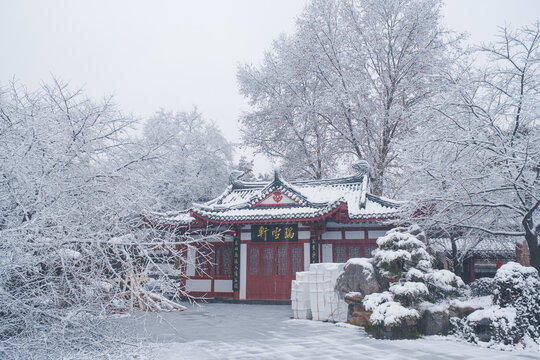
(477, 247)
(315, 199)
(175, 218)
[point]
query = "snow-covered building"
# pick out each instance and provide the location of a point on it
(262, 233)
(481, 257)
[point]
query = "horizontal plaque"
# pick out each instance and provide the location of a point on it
(274, 233)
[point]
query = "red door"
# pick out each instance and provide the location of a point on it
(271, 267)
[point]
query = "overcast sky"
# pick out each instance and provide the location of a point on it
(178, 54)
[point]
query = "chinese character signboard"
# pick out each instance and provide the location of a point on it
(314, 250)
(274, 233)
(236, 264)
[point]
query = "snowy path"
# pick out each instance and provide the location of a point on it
(231, 331)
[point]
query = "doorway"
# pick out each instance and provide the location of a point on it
(270, 270)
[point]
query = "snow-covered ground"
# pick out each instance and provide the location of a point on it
(233, 331)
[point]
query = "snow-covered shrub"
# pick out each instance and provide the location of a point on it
(392, 314)
(494, 325)
(373, 300)
(515, 314)
(409, 293)
(518, 287)
(386, 312)
(400, 250)
(402, 258)
(443, 284)
(481, 287)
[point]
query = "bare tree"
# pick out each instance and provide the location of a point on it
(72, 185)
(478, 166)
(362, 73)
(284, 124)
(192, 159)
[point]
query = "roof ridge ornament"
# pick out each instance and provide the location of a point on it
(234, 177)
(277, 175)
(362, 168)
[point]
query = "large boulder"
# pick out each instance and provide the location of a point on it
(358, 315)
(360, 276)
(434, 322)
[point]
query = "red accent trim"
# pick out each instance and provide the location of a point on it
(282, 204)
(273, 193)
(339, 211)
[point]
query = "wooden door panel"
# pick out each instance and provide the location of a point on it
(271, 268)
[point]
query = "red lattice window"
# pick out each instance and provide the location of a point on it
(221, 260)
(354, 252)
(297, 259)
(254, 260)
(268, 261)
(282, 260)
(203, 262)
(368, 250)
(340, 254)
(227, 260)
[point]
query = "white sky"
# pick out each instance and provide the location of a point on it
(178, 54)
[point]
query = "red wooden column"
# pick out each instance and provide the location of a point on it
(180, 262)
(236, 263)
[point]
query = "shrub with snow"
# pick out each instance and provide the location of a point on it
(443, 284)
(515, 316)
(402, 258)
(481, 287)
(409, 293)
(400, 250)
(392, 314)
(494, 325)
(519, 287)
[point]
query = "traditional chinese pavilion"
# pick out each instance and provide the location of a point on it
(264, 232)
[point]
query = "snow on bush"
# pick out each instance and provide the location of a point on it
(443, 284)
(409, 293)
(373, 300)
(400, 250)
(514, 317)
(481, 287)
(386, 311)
(403, 259)
(493, 325)
(519, 287)
(392, 313)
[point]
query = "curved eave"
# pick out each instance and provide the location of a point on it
(339, 208)
(167, 225)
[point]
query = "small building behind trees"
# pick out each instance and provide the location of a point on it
(259, 234)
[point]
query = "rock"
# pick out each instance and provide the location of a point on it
(359, 275)
(354, 298)
(434, 323)
(483, 329)
(358, 315)
(460, 311)
(407, 329)
(361, 319)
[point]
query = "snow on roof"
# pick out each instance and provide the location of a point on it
(182, 217)
(476, 246)
(315, 198)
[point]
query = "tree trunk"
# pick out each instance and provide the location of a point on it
(531, 236)
(534, 249)
(458, 268)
